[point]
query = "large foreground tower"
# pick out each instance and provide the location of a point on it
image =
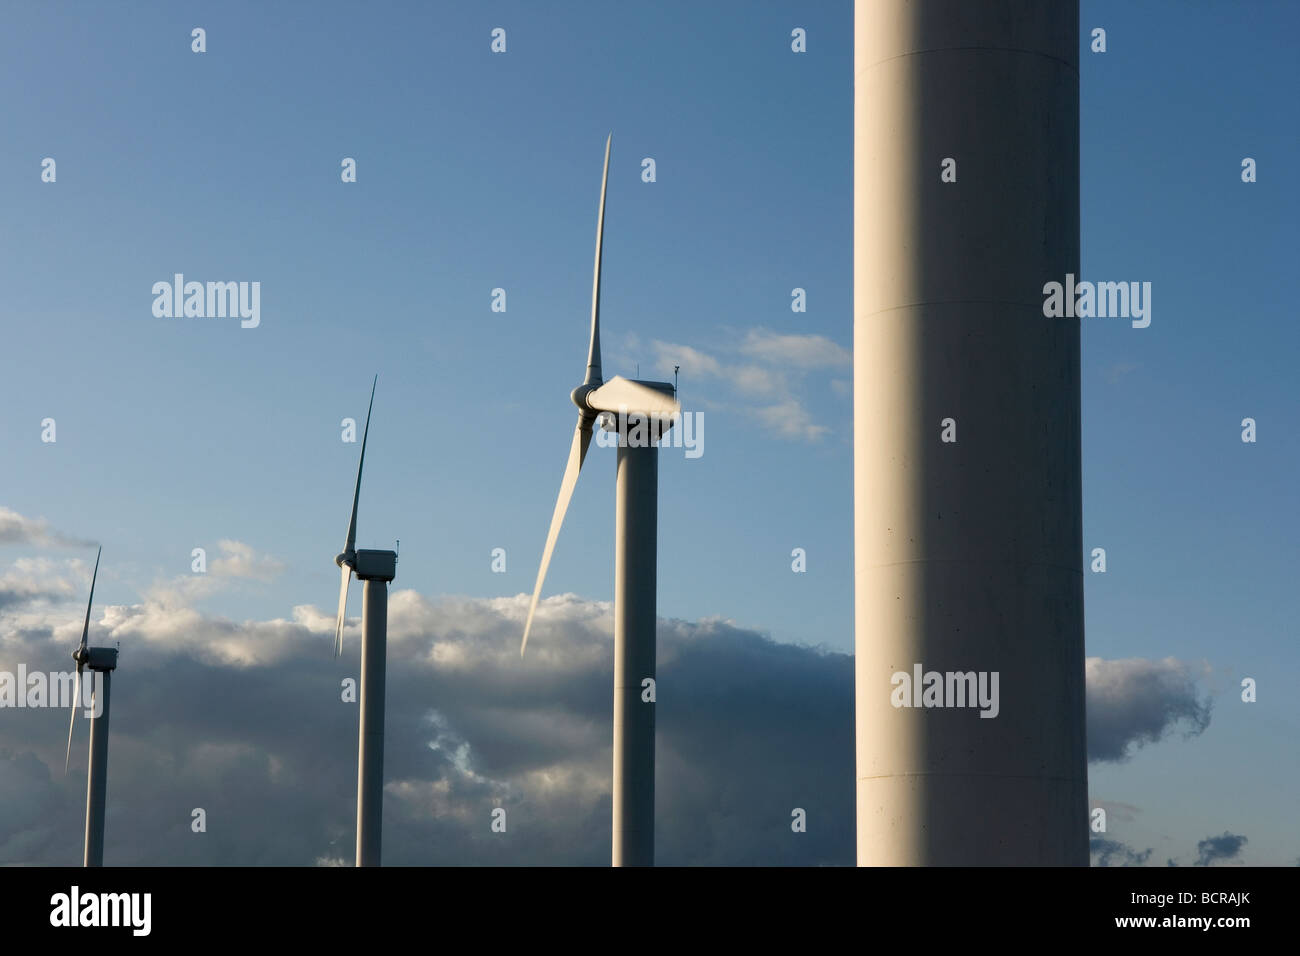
(967, 489)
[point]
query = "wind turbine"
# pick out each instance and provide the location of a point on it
(376, 569)
(651, 408)
(101, 661)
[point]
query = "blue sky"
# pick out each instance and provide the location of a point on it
(478, 171)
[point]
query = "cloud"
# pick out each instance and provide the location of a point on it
(766, 371)
(237, 563)
(33, 580)
(1114, 853)
(247, 720)
(1210, 849)
(692, 361)
(757, 382)
(17, 529)
(35, 583)
(1213, 848)
(34, 812)
(799, 351)
(791, 420)
(239, 560)
(1134, 702)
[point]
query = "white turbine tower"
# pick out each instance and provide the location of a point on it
(376, 569)
(102, 661)
(967, 554)
(650, 408)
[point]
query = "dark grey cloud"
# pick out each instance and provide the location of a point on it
(17, 597)
(1215, 848)
(1135, 702)
(245, 720)
(1114, 853)
(33, 809)
(1225, 847)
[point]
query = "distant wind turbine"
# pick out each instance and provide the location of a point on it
(655, 406)
(376, 569)
(102, 661)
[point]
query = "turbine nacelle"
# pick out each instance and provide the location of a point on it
(370, 565)
(367, 563)
(627, 398)
(636, 426)
(96, 658)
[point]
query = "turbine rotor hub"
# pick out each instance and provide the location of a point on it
(579, 396)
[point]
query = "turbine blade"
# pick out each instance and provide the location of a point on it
(356, 494)
(577, 453)
(623, 395)
(343, 610)
(85, 629)
(593, 349)
(76, 703)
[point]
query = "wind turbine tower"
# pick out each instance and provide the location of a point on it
(968, 543)
(375, 569)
